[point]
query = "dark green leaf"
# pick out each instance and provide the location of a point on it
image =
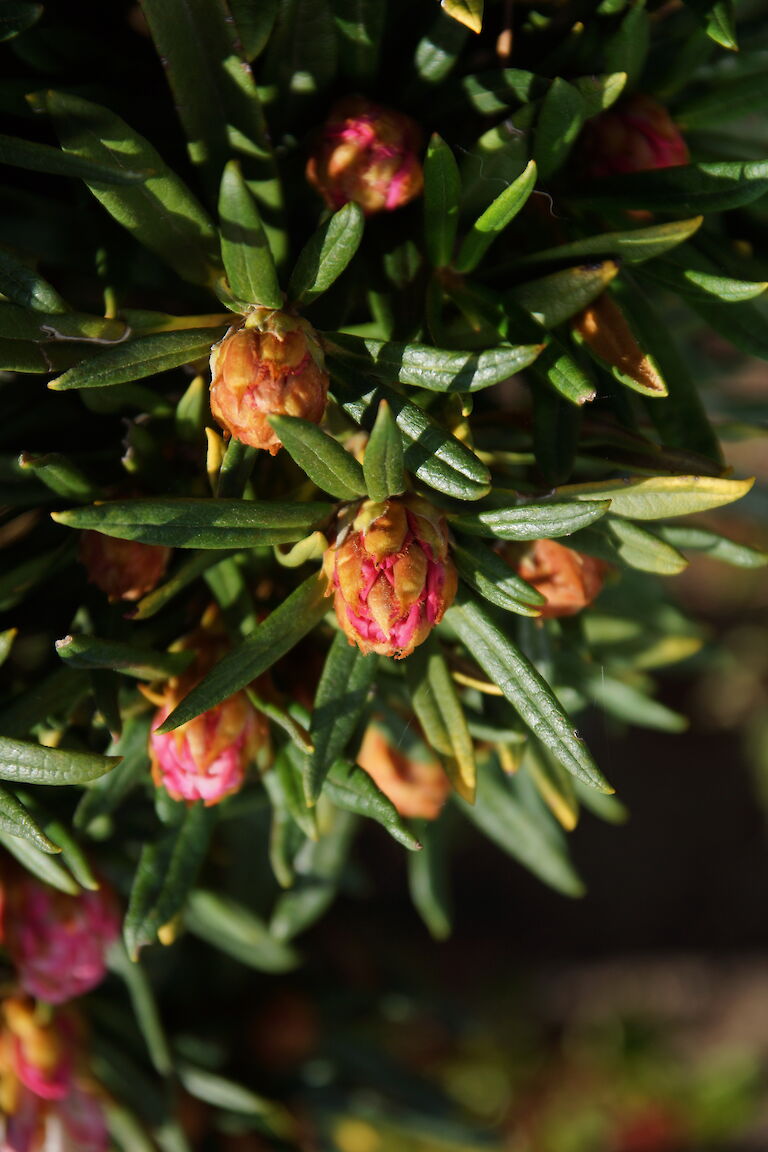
(492, 222)
(275, 636)
(433, 455)
(26, 324)
(563, 372)
(525, 689)
(17, 824)
(438, 51)
(629, 704)
(360, 25)
(725, 100)
(319, 866)
(718, 18)
(529, 521)
(190, 569)
(432, 368)
(166, 873)
(641, 549)
(441, 715)
(141, 663)
(245, 250)
(24, 286)
(714, 545)
(236, 930)
(161, 212)
(340, 701)
(291, 769)
(105, 795)
(383, 463)
(499, 89)
(556, 297)
(16, 16)
(691, 188)
(189, 523)
(442, 189)
(45, 867)
(142, 356)
(744, 326)
(559, 123)
(632, 247)
(236, 468)
(600, 92)
(428, 880)
(496, 582)
(627, 49)
(326, 254)
(61, 475)
(325, 461)
(254, 24)
(535, 842)
(34, 764)
(42, 158)
(698, 278)
(351, 788)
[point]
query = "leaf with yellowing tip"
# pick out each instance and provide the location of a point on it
(657, 497)
(603, 329)
(467, 12)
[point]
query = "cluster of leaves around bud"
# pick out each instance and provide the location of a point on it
(453, 400)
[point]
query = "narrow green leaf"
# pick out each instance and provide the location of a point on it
(106, 794)
(303, 54)
(718, 18)
(245, 250)
(16, 16)
(275, 636)
(600, 92)
(141, 663)
(557, 297)
(492, 222)
(641, 549)
(441, 715)
(38, 863)
(432, 368)
(287, 782)
(232, 928)
(17, 824)
(254, 24)
(226, 1095)
(340, 701)
(438, 50)
(433, 455)
(165, 875)
(530, 521)
(144, 1007)
(33, 764)
(190, 523)
(627, 49)
(190, 569)
(60, 474)
(360, 26)
(656, 497)
(326, 254)
(627, 703)
(555, 436)
(698, 278)
(319, 866)
(725, 100)
(499, 89)
(442, 189)
(24, 286)
(534, 842)
(525, 689)
(7, 638)
(383, 463)
(160, 213)
(351, 788)
(325, 461)
(489, 575)
(691, 188)
(26, 324)
(142, 356)
(236, 468)
(714, 545)
(745, 326)
(632, 247)
(559, 123)
(563, 372)
(428, 880)
(42, 158)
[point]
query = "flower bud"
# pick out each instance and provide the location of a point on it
(636, 135)
(206, 758)
(569, 580)
(369, 154)
(272, 366)
(418, 787)
(58, 942)
(391, 575)
(45, 1102)
(122, 569)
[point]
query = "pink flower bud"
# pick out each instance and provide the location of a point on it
(418, 788)
(58, 942)
(391, 575)
(569, 580)
(635, 136)
(272, 366)
(369, 154)
(122, 569)
(206, 758)
(45, 1102)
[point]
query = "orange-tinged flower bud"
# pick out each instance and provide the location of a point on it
(417, 786)
(569, 580)
(122, 569)
(636, 135)
(271, 366)
(369, 154)
(391, 574)
(206, 758)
